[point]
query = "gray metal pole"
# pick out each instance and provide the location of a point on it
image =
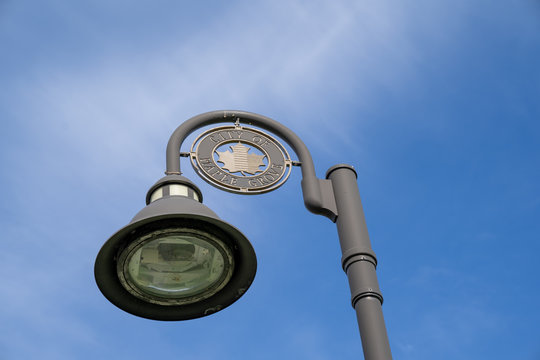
(336, 198)
(359, 263)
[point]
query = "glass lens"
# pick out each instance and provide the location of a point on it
(178, 266)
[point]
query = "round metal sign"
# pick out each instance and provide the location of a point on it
(240, 159)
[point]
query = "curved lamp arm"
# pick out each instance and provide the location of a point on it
(318, 193)
(325, 197)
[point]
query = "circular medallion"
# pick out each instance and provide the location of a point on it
(240, 159)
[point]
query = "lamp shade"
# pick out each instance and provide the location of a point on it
(175, 260)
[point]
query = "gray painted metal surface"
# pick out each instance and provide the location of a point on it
(337, 198)
(317, 196)
(359, 263)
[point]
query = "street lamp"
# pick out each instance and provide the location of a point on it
(176, 260)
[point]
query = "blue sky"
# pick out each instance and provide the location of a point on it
(434, 102)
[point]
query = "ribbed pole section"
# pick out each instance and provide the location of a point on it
(359, 263)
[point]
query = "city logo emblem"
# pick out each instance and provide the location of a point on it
(240, 159)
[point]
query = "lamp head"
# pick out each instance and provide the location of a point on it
(175, 260)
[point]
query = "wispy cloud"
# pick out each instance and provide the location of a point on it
(101, 119)
(91, 107)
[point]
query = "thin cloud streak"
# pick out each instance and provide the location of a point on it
(95, 128)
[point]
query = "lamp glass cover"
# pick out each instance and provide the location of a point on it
(176, 266)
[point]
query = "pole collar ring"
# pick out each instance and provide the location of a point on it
(341, 166)
(358, 254)
(365, 293)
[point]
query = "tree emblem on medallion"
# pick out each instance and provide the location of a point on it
(239, 160)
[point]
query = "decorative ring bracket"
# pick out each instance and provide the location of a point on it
(318, 193)
(240, 159)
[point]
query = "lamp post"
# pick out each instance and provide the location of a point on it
(177, 260)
